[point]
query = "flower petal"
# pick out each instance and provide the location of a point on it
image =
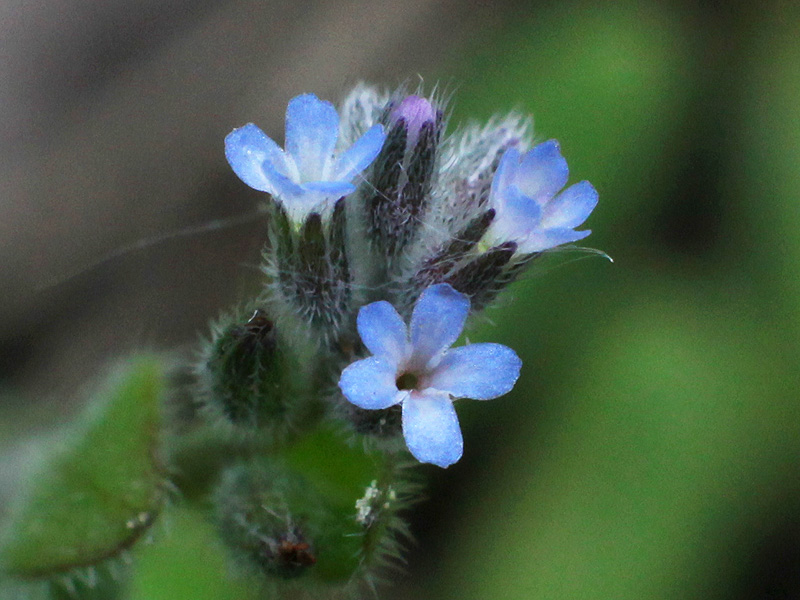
(333, 190)
(478, 371)
(436, 323)
(247, 150)
(280, 185)
(312, 128)
(571, 207)
(542, 172)
(370, 383)
(360, 155)
(516, 218)
(383, 332)
(504, 176)
(317, 196)
(550, 238)
(431, 430)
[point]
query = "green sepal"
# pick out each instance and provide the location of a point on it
(307, 264)
(481, 279)
(436, 268)
(337, 251)
(311, 250)
(100, 491)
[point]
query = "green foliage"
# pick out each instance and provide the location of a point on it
(370, 488)
(101, 490)
(339, 469)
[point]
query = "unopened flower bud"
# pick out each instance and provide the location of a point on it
(249, 377)
(256, 520)
(403, 174)
(298, 515)
(416, 113)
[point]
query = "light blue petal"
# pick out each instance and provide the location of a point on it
(431, 430)
(360, 155)
(542, 172)
(247, 150)
(504, 176)
(370, 383)
(478, 371)
(320, 196)
(436, 323)
(383, 332)
(312, 128)
(517, 217)
(280, 185)
(571, 207)
(550, 238)
(332, 190)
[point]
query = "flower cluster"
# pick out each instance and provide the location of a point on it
(377, 216)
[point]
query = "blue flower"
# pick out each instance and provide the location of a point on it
(308, 175)
(414, 367)
(529, 208)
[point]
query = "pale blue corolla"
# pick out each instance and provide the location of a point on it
(530, 207)
(309, 175)
(416, 368)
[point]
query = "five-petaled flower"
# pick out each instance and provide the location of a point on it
(309, 175)
(414, 367)
(528, 211)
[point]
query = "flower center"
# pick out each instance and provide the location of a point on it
(407, 381)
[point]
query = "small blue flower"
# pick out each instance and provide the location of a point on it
(529, 208)
(308, 175)
(414, 367)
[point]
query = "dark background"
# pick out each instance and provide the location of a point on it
(650, 449)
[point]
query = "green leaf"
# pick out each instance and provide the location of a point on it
(100, 490)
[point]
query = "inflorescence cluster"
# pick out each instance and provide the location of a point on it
(385, 235)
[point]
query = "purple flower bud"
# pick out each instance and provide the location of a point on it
(403, 173)
(415, 111)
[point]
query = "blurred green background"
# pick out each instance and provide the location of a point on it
(650, 449)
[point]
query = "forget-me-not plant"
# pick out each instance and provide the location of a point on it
(377, 217)
(416, 369)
